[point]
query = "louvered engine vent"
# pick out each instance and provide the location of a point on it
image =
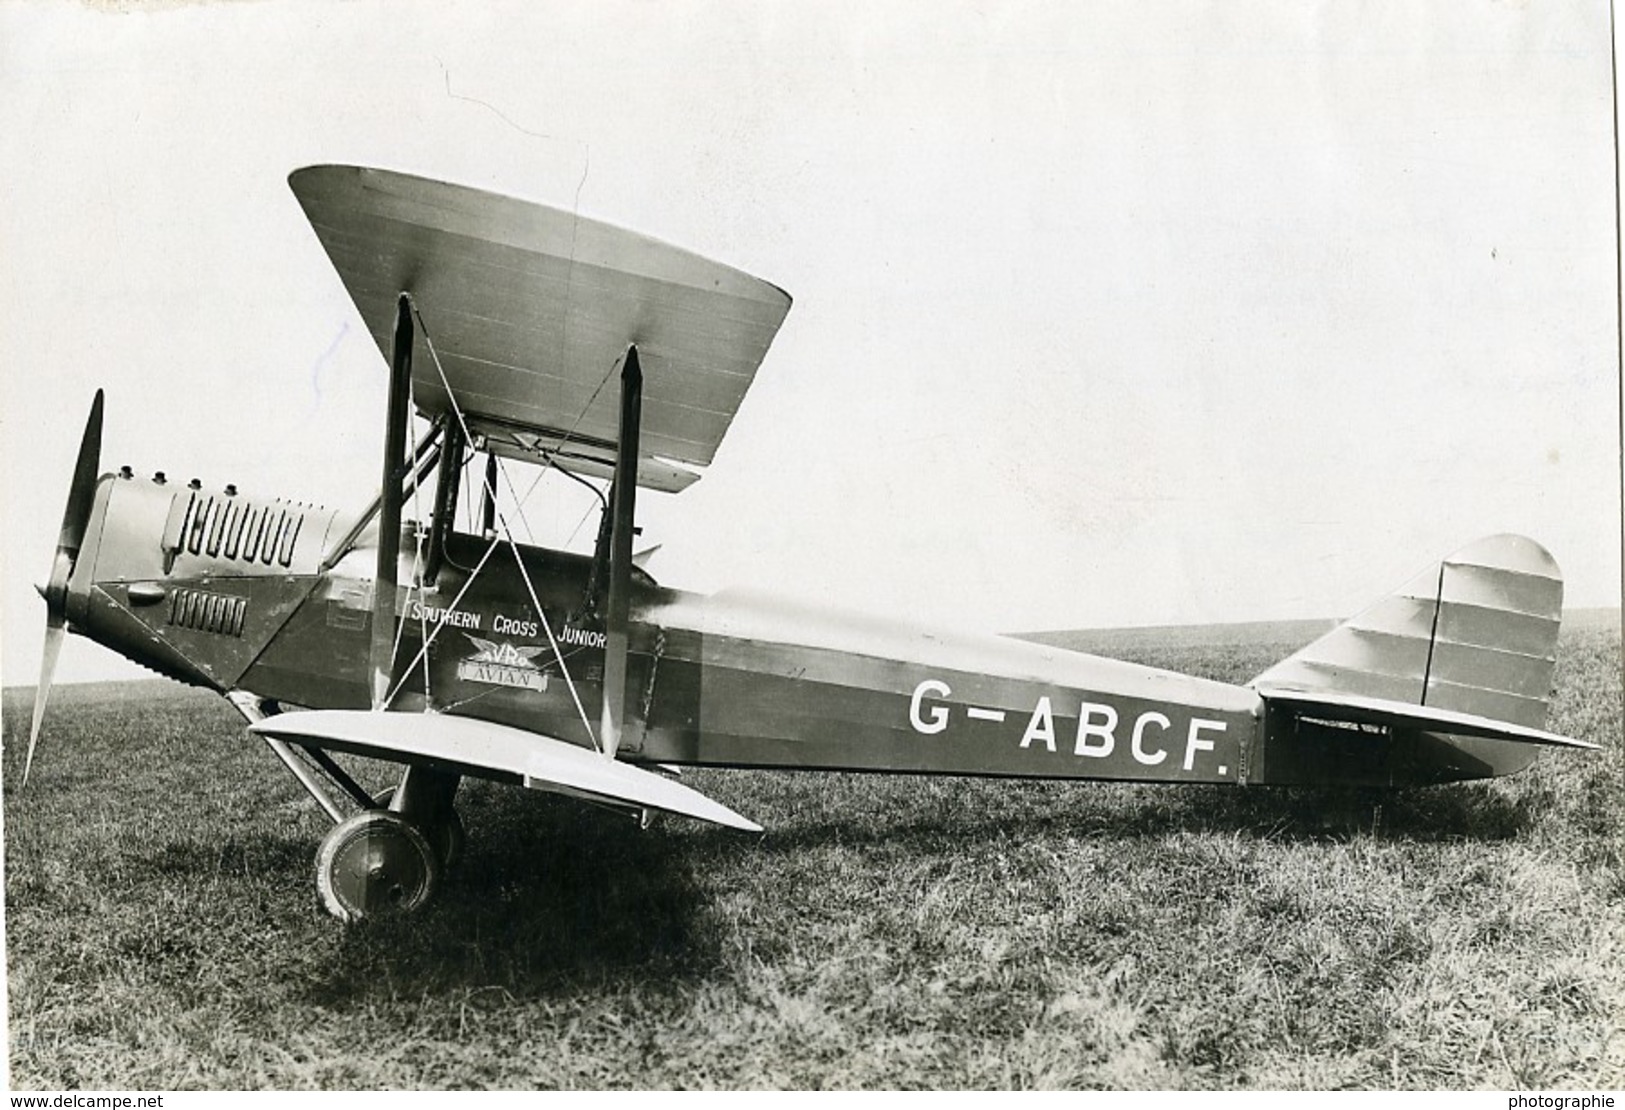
(207, 612)
(237, 528)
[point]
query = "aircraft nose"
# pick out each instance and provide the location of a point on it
(70, 541)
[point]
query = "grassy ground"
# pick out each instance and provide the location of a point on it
(162, 930)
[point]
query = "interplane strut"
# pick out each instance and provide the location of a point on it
(623, 509)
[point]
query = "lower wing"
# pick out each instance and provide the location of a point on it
(491, 750)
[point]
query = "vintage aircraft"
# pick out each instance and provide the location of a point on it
(520, 332)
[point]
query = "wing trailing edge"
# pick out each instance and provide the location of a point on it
(498, 751)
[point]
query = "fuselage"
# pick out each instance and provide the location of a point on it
(228, 591)
(236, 593)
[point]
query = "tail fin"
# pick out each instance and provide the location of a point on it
(1476, 633)
(1463, 652)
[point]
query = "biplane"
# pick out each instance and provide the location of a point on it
(521, 334)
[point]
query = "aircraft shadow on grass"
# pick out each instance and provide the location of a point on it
(540, 917)
(555, 894)
(550, 895)
(1289, 815)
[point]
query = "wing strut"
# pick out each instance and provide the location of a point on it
(488, 498)
(623, 507)
(389, 508)
(425, 457)
(445, 500)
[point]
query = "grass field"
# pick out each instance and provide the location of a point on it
(162, 930)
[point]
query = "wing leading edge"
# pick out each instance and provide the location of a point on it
(492, 750)
(531, 309)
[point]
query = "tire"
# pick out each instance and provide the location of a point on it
(375, 865)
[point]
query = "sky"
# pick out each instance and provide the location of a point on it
(1105, 314)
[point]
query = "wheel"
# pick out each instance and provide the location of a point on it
(447, 836)
(375, 864)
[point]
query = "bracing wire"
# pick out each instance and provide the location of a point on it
(423, 652)
(507, 531)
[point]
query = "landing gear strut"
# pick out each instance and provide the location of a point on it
(447, 834)
(387, 859)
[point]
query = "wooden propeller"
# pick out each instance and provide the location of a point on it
(75, 519)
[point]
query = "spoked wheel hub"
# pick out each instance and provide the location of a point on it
(375, 864)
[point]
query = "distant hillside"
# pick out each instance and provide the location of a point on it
(1289, 634)
(1592, 618)
(1106, 640)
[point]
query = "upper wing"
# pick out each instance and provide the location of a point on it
(484, 748)
(530, 310)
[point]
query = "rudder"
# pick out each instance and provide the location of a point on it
(1476, 633)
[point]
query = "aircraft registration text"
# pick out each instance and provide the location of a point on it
(1163, 741)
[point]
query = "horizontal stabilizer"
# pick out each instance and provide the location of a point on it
(492, 750)
(1355, 709)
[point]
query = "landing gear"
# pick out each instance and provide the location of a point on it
(379, 863)
(388, 859)
(375, 864)
(429, 796)
(447, 837)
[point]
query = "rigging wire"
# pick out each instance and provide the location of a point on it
(596, 492)
(507, 532)
(574, 532)
(423, 652)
